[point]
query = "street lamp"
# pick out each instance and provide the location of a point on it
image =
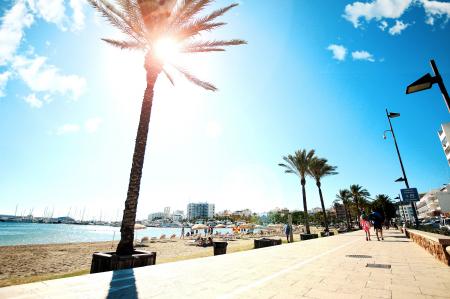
(427, 81)
(390, 115)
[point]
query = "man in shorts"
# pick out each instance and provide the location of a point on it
(377, 220)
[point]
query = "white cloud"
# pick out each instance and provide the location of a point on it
(377, 9)
(397, 28)
(13, 24)
(42, 77)
(339, 51)
(33, 101)
(362, 55)
(52, 11)
(67, 129)
(436, 9)
(3, 80)
(78, 14)
(383, 25)
(91, 125)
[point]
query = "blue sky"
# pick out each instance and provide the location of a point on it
(315, 74)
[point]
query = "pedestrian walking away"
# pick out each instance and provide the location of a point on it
(365, 224)
(182, 233)
(287, 231)
(377, 220)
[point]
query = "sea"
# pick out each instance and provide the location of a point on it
(17, 233)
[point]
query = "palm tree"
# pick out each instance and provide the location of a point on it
(148, 23)
(344, 195)
(358, 194)
(319, 168)
(298, 164)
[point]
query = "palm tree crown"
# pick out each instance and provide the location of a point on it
(298, 163)
(320, 168)
(146, 22)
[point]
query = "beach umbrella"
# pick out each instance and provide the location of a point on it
(247, 225)
(199, 226)
(220, 226)
(139, 226)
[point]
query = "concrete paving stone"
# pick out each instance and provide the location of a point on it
(396, 294)
(430, 290)
(314, 269)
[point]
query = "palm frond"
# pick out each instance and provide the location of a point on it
(168, 76)
(194, 28)
(217, 13)
(181, 8)
(133, 14)
(194, 8)
(115, 19)
(203, 46)
(201, 50)
(195, 80)
(129, 45)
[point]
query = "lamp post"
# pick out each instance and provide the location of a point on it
(390, 115)
(427, 81)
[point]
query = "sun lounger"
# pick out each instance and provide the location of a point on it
(173, 237)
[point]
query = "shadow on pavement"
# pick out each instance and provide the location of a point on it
(123, 285)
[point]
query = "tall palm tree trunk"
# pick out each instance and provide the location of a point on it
(125, 246)
(347, 218)
(358, 212)
(305, 207)
(323, 206)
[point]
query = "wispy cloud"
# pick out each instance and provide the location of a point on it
(33, 101)
(377, 9)
(67, 129)
(3, 80)
(14, 21)
(397, 28)
(394, 9)
(362, 55)
(40, 76)
(339, 51)
(383, 25)
(91, 125)
(37, 74)
(436, 9)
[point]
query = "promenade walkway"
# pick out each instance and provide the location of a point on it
(317, 268)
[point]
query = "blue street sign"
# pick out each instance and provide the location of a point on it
(410, 194)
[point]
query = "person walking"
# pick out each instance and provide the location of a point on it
(287, 231)
(377, 220)
(365, 224)
(182, 232)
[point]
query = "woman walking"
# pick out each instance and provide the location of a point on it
(365, 224)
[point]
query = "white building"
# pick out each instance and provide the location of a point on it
(434, 203)
(167, 212)
(178, 215)
(242, 213)
(200, 210)
(406, 213)
(444, 136)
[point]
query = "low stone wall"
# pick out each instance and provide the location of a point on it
(437, 245)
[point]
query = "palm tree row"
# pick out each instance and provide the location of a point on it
(305, 163)
(356, 198)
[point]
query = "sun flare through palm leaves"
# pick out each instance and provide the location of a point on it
(163, 30)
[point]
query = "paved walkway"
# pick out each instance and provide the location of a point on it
(312, 269)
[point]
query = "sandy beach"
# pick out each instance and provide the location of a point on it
(26, 263)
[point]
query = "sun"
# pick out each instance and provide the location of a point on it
(167, 49)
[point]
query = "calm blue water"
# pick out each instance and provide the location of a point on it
(12, 233)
